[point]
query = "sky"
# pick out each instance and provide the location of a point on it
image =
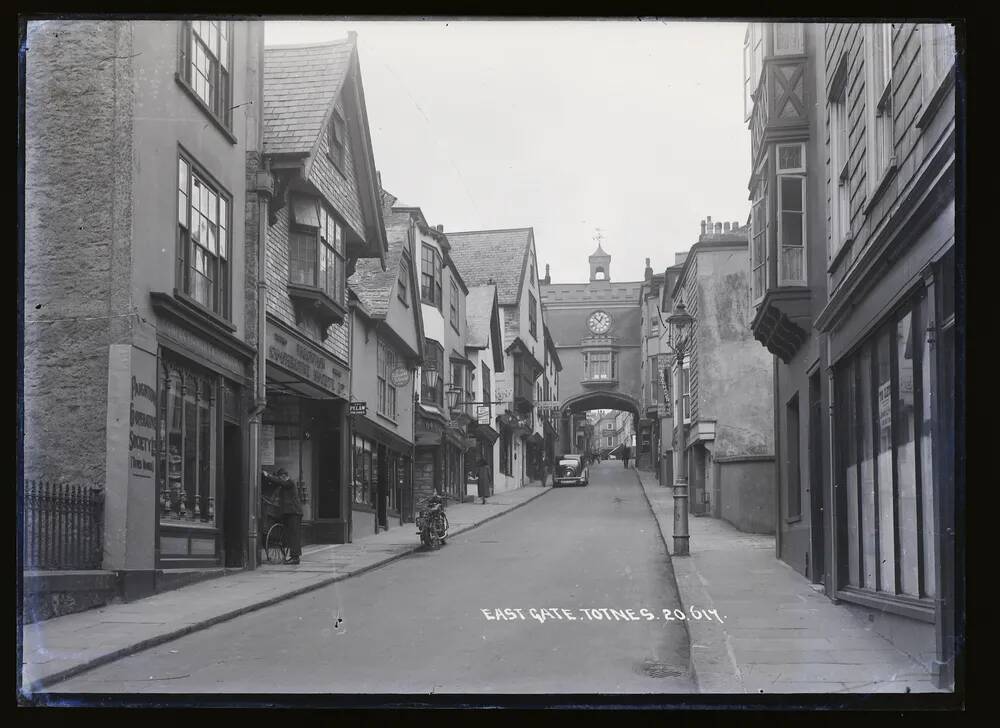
(631, 127)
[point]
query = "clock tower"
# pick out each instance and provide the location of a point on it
(600, 263)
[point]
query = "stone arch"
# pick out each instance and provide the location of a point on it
(600, 399)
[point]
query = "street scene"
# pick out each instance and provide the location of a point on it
(284, 432)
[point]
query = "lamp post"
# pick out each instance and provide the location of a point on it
(678, 337)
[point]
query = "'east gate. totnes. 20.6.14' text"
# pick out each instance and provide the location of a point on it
(599, 614)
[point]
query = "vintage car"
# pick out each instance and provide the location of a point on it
(571, 468)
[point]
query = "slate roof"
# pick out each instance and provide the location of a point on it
(299, 83)
(372, 285)
(479, 315)
(485, 257)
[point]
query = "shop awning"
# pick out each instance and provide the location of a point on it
(484, 432)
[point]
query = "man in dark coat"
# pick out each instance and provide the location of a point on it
(291, 516)
(485, 480)
(626, 454)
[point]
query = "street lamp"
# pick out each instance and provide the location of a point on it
(453, 393)
(678, 338)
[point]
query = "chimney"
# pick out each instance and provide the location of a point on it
(725, 227)
(548, 279)
(649, 271)
(736, 225)
(439, 228)
(718, 228)
(702, 227)
(708, 225)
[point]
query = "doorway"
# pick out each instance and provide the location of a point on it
(235, 496)
(816, 494)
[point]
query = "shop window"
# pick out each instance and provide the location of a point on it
(205, 62)
(188, 447)
(203, 239)
(292, 446)
(430, 276)
(365, 481)
(881, 396)
(506, 453)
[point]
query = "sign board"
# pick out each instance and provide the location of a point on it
(359, 408)
(142, 418)
(548, 404)
(307, 361)
(483, 414)
(885, 406)
(267, 445)
(399, 377)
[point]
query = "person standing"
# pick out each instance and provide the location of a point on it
(626, 454)
(485, 480)
(291, 516)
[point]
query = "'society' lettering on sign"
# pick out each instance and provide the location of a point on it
(142, 429)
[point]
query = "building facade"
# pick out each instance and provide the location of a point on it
(484, 348)
(137, 330)
(324, 215)
(854, 295)
(652, 362)
(722, 400)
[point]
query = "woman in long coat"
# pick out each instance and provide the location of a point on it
(485, 480)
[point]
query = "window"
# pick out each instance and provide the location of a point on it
(531, 274)
(753, 65)
(457, 379)
(599, 364)
(453, 305)
(532, 315)
(878, 104)
(758, 243)
(611, 441)
(431, 373)
(470, 392)
(203, 239)
(487, 392)
(787, 39)
(205, 61)
(879, 401)
(402, 285)
(365, 471)
(793, 481)
(791, 229)
(188, 446)
(840, 196)
(937, 51)
(506, 453)
(336, 137)
(609, 426)
(684, 388)
(430, 276)
(316, 249)
(387, 361)
(654, 381)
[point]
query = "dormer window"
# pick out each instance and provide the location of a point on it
(336, 139)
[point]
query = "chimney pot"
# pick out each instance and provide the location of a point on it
(725, 227)
(439, 228)
(718, 228)
(702, 227)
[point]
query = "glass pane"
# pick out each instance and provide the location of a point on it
(867, 456)
(791, 228)
(302, 258)
(205, 506)
(886, 522)
(182, 208)
(791, 193)
(846, 398)
(926, 449)
(190, 452)
(790, 156)
(906, 466)
(223, 224)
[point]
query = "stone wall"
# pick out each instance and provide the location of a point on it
(746, 489)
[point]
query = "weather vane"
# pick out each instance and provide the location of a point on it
(598, 235)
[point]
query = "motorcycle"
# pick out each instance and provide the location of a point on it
(431, 521)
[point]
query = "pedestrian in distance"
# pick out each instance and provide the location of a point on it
(291, 516)
(485, 480)
(626, 453)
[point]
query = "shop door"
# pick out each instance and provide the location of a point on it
(382, 490)
(328, 473)
(816, 505)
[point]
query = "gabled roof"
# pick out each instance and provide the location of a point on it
(599, 253)
(300, 83)
(479, 314)
(496, 257)
(374, 286)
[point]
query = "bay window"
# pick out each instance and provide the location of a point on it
(205, 63)
(316, 249)
(203, 239)
(878, 103)
(791, 214)
(758, 243)
(753, 64)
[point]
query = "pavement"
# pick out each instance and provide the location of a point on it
(536, 602)
(56, 649)
(778, 634)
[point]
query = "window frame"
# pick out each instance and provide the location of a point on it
(533, 315)
(780, 230)
(879, 129)
(336, 139)
(840, 175)
(403, 280)
(798, 46)
(454, 306)
(219, 78)
(324, 250)
(758, 253)
(435, 275)
(589, 363)
(432, 380)
(387, 393)
(186, 244)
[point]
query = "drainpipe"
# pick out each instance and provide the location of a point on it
(264, 187)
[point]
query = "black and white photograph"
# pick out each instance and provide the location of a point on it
(422, 360)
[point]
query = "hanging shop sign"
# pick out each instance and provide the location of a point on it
(267, 445)
(483, 414)
(399, 377)
(359, 409)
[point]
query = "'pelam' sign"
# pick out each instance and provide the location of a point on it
(359, 408)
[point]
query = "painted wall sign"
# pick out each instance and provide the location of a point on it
(142, 427)
(267, 445)
(359, 408)
(305, 361)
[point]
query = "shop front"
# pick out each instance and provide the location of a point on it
(482, 451)
(381, 492)
(197, 439)
(305, 431)
(534, 455)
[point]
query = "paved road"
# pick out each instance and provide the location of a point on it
(416, 625)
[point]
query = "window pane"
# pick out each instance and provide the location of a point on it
(867, 469)
(846, 399)
(886, 522)
(190, 452)
(906, 466)
(926, 449)
(305, 212)
(223, 225)
(302, 258)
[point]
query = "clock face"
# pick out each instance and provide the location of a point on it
(599, 322)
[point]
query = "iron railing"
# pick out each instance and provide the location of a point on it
(63, 526)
